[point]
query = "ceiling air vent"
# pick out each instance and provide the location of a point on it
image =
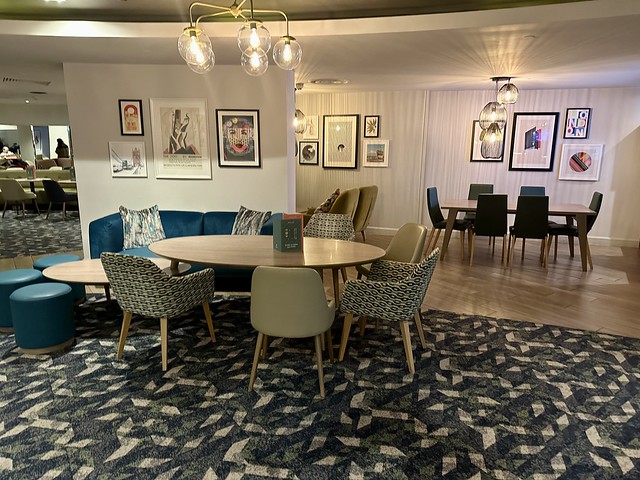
(23, 80)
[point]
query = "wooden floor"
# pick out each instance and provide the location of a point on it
(605, 299)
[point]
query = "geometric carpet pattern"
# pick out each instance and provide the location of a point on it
(33, 235)
(490, 399)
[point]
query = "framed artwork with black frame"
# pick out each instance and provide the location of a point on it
(238, 138)
(533, 141)
(340, 136)
(476, 145)
(308, 153)
(371, 126)
(131, 117)
(577, 122)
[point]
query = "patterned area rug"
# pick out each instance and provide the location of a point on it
(33, 235)
(490, 399)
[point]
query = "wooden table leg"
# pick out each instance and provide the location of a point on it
(336, 287)
(451, 218)
(581, 219)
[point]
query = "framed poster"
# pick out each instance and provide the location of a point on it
(308, 153)
(238, 138)
(131, 117)
(180, 137)
(127, 159)
(376, 153)
(580, 162)
(340, 136)
(311, 132)
(533, 141)
(476, 145)
(371, 126)
(576, 123)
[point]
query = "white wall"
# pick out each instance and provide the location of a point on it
(430, 139)
(93, 91)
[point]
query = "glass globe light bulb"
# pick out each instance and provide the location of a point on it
(508, 93)
(287, 53)
(254, 61)
(254, 35)
(195, 47)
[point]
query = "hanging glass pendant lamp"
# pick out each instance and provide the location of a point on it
(492, 144)
(508, 93)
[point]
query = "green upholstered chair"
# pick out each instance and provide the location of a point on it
(532, 221)
(346, 203)
(571, 231)
(366, 202)
(439, 223)
(476, 189)
(490, 221)
(290, 303)
(12, 192)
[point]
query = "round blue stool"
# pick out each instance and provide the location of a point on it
(77, 289)
(11, 280)
(43, 317)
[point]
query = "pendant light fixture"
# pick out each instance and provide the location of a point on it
(493, 112)
(492, 144)
(299, 118)
(254, 41)
(508, 93)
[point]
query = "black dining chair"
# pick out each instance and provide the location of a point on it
(571, 230)
(440, 223)
(56, 194)
(532, 213)
(491, 221)
(532, 190)
(476, 189)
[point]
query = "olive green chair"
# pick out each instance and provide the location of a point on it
(346, 203)
(366, 202)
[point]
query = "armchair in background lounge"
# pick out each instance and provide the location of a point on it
(56, 194)
(364, 209)
(12, 192)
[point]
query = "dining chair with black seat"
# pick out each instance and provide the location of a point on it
(12, 192)
(440, 223)
(571, 230)
(491, 221)
(290, 303)
(532, 213)
(476, 189)
(56, 194)
(532, 190)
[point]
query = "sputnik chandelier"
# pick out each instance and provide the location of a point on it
(253, 38)
(493, 119)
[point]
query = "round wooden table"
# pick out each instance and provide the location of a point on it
(250, 251)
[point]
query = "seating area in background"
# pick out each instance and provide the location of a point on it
(13, 193)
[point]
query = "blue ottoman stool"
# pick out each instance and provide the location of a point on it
(77, 289)
(43, 317)
(11, 280)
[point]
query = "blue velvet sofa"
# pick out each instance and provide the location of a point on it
(106, 235)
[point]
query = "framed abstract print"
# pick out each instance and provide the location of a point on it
(238, 138)
(340, 136)
(533, 141)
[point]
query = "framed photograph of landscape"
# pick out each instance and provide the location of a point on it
(533, 141)
(238, 138)
(180, 138)
(580, 162)
(127, 159)
(476, 145)
(375, 153)
(131, 117)
(340, 136)
(311, 132)
(371, 126)
(308, 153)
(577, 122)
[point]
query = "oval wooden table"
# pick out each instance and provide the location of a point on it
(250, 251)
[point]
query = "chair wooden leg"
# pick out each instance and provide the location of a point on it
(362, 322)
(48, 211)
(346, 329)
(319, 362)
(548, 249)
(555, 249)
(471, 248)
(35, 204)
(256, 358)
(343, 270)
(24, 210)
(265, 345)
(435, 241)
(462, 244)
(503, 260)
(64, 210)
(364, 239)
(5, 208)
(126, 321)
(428, 247)
(330, 345)
(571, 246)
(163, 342)
(107, 292)
(406, 340)
(589, 256)
(418, 319)
(523, 243)
(207, 314)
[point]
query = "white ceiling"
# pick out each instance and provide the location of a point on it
(568, 45)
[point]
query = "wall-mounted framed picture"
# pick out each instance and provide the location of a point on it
(131, 117)
(180, 138)
(371, 126)
(577, 122)
(580, 162)
(476, 145)
(311, 132)
(340, 137)
(375, 153)
(533, 141)
(238, 138)
(127, 159)
(308, 153)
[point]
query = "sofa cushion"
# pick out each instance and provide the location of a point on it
(218, 223)
(141, 227)
(249, 222)
(180, 223)
(325, 206)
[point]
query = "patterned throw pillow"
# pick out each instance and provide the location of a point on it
(141, 227)
(328, 203)
(249, 222)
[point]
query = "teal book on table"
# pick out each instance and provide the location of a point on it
(287, 233)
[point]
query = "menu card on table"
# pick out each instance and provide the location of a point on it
(287, 232)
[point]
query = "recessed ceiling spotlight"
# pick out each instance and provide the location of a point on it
(329, 81)
(26, 100)
(55, 1)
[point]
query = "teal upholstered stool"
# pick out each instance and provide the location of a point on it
(77, 289)
(11, 280)
(43, 317)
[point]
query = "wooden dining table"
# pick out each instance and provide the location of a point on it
(569, 210)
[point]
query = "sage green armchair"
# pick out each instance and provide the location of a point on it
(366, 202)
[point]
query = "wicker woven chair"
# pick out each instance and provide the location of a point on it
(141, 287)
(393, 291)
